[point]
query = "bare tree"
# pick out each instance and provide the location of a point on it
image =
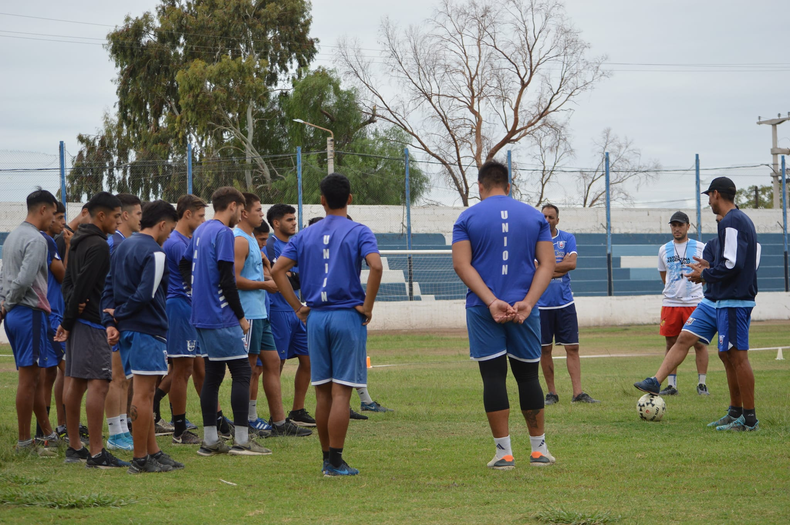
(626, 169)
(476, 77)
(551, 149)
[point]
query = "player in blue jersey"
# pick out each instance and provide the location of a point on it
(253, 285)
(118, 395)
(337, 310)
(183, 350)
(495, 245)
(134, 314)
(558, 320)
(207, 267)
(681, 296)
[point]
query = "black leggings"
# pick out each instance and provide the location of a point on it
(494, 374)
(239, 392)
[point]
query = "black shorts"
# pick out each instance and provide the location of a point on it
(559, 325)
(88, 355)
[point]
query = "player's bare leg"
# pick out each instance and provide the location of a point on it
(574, 368)
(676, 355)
(301, 382)
(58, 392)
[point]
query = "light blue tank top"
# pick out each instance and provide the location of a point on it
(252, 301)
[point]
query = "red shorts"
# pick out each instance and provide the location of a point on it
(673, 318)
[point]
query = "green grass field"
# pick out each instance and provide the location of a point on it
(425, 463)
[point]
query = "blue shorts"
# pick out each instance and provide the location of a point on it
(489, 339)
(290, 334)
(337, 341)
(181, 335)
(27, 329)
(143, 354)
(702, 323)
(222, 344)
(733, 324)
(560, 325)
(259, 337)
(59, 349)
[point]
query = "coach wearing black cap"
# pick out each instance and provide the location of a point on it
(734, 276)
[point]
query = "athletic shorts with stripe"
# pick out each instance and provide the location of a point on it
(702, 323)
(181, 335)
(733, 324)
(337, 342)
(27, 329)
(559, 325)
(143, 354)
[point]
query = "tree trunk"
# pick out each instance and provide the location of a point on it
(247, 148)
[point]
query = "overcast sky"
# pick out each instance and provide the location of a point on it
(688, 77)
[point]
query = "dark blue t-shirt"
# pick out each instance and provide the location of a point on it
(329, 254)
(503, 233)
(115, 240)
(174, 248)
(212, 242)
(274, 247)
(54, 293)
(558, 293)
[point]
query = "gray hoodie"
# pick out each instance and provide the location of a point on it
(23, 280)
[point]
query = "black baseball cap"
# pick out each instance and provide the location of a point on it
(722, 185)
(679, 216)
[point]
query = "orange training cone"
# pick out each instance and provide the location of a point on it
(369, 365)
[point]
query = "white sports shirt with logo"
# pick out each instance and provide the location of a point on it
(673, 258)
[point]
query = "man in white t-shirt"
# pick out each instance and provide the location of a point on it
(681, 296)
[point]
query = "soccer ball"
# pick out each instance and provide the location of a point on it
(651, 408)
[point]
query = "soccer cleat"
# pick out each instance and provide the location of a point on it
(670, 391)
(374, 407)
(355, 415)
(187, 438)
(552, 399)
(105, 460)
(165, 459)
(32, 449)
(649, 386)
(726, 420)
(739, 425)
(538, 459)
(702, 390)
(149, 465)
(301, 418)
(220, 447)
(584, 398)
(504, 463)
(250, 448)
(343, 470)
(77, 456)
(118, 442)
(289, 429)
(163, 428)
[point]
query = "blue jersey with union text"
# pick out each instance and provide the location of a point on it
(174, 248)
(558, 293)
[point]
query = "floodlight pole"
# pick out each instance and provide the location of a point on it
(330, 145)
(775, 152)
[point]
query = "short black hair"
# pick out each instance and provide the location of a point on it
(492, 174)
(263, 228)
(224, 196)
(278, 211)
(39, 197)
(249, 200)
(189, 202)
(727, 196)
(103, 200)
(128, 201)
(336, 188)
(61, 208)
(314, 220)
(157, 211)
(553, 207)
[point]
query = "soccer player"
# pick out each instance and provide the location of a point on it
(24, 306)
(558, 320)
(182, 347)
(207, 267)
(253, 285)
(681, 296)
(88, 355)
(290, 334)
(495, 245)
(118, 394)
(63, 239)
(329, 255)
(134, 314)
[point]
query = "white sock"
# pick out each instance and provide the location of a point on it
(124, 424)
(673, 380)
(253, 415)
(210, 436)
(363, 394)
(702, 378)
(242, 434)
(503, 447)
(114, 425)
(538, 444)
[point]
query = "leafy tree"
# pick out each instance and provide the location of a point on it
(755, 197)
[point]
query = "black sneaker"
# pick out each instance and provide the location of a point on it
(669, 391)
(167, 461)
(148, 465)
(62, 433)
(77, 456)
(584, 398)
(84, 437)
(552, 399)
(355, 415)
(289, 429)
(105, 460)
(301, 418)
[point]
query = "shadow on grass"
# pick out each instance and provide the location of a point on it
(571, 517)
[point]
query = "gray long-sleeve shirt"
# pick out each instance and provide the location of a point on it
(24, 274)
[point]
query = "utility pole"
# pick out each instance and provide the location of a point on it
(776, 151)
